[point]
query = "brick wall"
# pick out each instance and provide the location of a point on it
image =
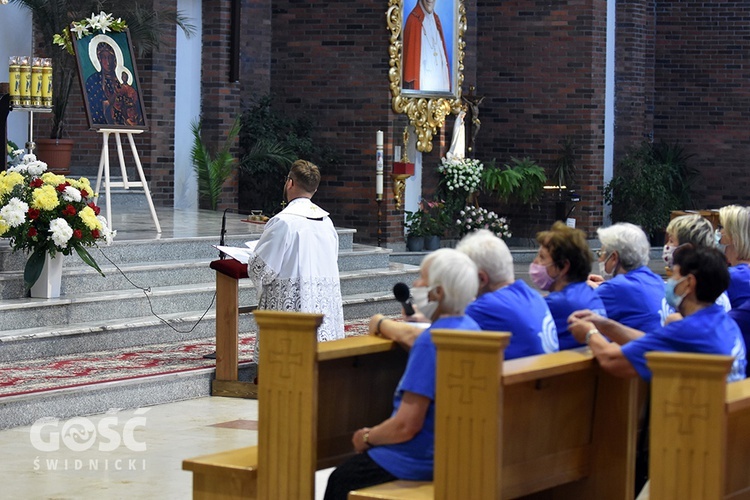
(680, 74)
(329, 63)
(634, 74)
(702, 96)
(541, 68)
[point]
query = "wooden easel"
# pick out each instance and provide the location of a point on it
(125, 184)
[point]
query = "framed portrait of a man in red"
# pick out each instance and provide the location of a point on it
(426, 61)
(109, 81)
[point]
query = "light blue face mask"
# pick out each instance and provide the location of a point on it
(717, 240)
(673, 299)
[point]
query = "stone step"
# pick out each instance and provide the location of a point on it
(78, 277)
(128, 303)
(177, 249)
(42, 342)
(25, 409)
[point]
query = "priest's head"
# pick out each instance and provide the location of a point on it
(302, 181)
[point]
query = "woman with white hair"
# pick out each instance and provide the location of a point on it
(505, 304)
(735, 235)
(402, 447)
(632, 293)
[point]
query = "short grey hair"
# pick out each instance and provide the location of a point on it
(736, 222)
(490, 254)
(629, 241)
(457, 275)
(692, 229)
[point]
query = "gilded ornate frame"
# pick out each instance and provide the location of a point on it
(426, 110)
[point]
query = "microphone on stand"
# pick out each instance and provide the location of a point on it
(222, 255)
(223, 233)
(402, 294)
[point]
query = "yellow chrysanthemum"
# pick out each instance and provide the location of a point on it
(9, 180)
(3, 227)
(88, 216)
(44, 198)
(82, 183)
(53, 179)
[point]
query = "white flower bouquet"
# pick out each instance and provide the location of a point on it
(44, 213)
(461, 174)
(473, 218)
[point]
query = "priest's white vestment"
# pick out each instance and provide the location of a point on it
(295, 266)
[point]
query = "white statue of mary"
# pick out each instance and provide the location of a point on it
(458, 142)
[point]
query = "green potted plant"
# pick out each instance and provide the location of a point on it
(652, 180)
(147, 27)
(415, 230)
(212, 170)
(563, 177)
(521, 180)
(436, 220)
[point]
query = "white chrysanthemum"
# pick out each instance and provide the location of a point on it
(29, 158)
(36, 168)
(61, 232)
(107, 234)
(14, 212)
(71, 194)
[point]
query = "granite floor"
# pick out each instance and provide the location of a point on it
(135, 453)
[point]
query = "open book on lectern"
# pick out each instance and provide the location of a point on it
(239, 253)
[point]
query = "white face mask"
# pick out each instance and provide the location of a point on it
(603, 269)
(423, 303)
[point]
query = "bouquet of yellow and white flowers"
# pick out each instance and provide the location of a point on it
(44, 213)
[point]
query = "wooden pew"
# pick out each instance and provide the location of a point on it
(700, 428)
(551, 426)
(311, 398)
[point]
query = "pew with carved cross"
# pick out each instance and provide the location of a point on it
(700, 428)
(311, 398)
(550, 426)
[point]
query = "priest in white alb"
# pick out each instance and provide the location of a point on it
(295, 263)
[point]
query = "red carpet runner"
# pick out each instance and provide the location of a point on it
(75, 370)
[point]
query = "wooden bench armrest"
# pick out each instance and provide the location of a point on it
(521, 370)
(354, 346)
(738, 396)
(240, 459)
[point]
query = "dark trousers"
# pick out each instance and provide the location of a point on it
(360, 471)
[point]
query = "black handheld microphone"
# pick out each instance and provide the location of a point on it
(402, 294)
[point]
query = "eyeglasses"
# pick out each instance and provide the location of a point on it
(602, 253)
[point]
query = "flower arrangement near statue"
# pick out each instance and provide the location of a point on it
(473, 218)
(48, 214)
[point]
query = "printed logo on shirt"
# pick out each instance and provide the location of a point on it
(548, 335)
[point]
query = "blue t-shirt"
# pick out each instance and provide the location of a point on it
(741, 315)
(708, 331)
(414, 459)
(739, 285)
(635, 299)
(574, 297)
(520, 310)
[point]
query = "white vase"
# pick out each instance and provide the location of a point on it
(48, 284)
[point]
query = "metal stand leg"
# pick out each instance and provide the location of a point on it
(125, 184)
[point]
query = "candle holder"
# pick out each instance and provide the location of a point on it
(379, 200)
(399, 188)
